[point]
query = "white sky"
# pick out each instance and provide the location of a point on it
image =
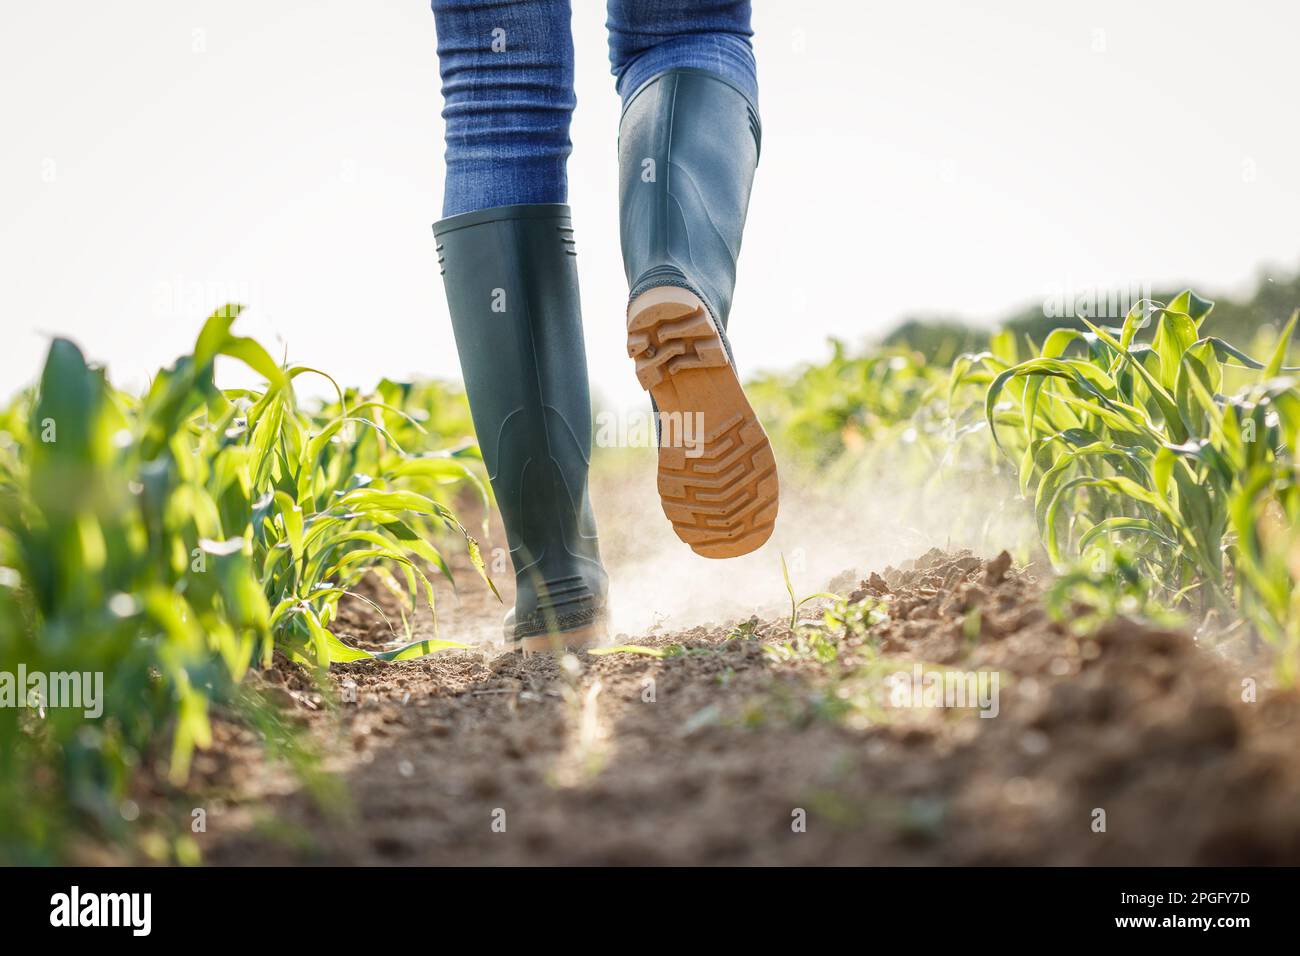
(160, 156)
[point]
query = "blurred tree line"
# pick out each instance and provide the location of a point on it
(941, 338)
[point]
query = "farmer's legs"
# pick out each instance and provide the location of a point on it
(507, 256)
(650, 37)
(688, 146)
(507, 87)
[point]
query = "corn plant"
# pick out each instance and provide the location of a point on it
(169, 542)
(847, 405)
(1127, 441)
(889, 421)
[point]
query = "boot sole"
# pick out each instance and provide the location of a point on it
(719, 489)
(574, 640)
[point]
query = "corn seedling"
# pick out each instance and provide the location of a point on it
(171, 541)
(1135, 443)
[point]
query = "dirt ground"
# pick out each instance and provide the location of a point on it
(744, 743)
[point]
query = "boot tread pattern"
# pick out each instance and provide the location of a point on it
(720, 490)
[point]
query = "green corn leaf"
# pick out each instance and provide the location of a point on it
(1274, 367)
(291, 516)
(639, 649)
(419, 649)
(1168, 408)
(1175, 334)
(1141, 526)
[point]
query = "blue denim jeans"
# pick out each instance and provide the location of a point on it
(507, 83)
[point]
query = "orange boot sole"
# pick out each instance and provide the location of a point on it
(717, 473)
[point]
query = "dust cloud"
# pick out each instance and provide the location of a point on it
(874, 519)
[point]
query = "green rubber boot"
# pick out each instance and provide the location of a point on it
(512, 289)
(688, 146)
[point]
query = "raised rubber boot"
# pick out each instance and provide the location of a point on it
(687, 148)
(512, 289)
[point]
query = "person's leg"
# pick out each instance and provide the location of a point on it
(650, 37)
(688, 147)
(507, 90)
(508, 263)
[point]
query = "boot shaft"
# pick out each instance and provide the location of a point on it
(688, 147)
(512, 290)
